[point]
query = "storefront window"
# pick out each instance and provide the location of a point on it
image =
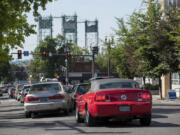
(176, 78)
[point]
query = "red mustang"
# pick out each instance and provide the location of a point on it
(114, 98)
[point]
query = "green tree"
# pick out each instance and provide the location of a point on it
(52, 62)
(102, 59)
(149, 42)
(160, 53)
(14, 26)
(127, 63)
(4, 62)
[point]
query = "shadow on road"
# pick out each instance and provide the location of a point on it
(166, 110)
(12, 110)
(69, 124)
(166, 104)
(4, 98)
(73, 125)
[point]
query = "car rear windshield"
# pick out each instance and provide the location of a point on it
(43, 88)
(110, 85)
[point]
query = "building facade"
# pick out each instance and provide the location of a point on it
(166, 4)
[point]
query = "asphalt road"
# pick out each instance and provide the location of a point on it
(166, 121)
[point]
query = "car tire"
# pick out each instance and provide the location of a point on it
(33, 115)
(66, 111)
(78, 117)
(89, 120)
(145, 121)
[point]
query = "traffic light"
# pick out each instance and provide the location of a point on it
(19, 54)
(95, 50)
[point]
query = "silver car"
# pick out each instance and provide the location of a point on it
(47, 96)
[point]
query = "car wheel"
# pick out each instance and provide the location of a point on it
(78, 117)
(146, 121)
(33, 115)
(27, 114)
(66, 111)
(89, 120)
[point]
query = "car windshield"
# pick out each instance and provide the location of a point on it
(44, 88)
(83, 88)
(119, 85)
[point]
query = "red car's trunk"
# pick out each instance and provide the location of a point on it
(114, 95)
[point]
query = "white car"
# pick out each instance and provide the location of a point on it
(47, 96)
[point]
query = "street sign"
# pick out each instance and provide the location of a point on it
(26, 53)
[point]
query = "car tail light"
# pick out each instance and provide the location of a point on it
(58, 96)
(30, 99)
(144, 96)
(102, 98)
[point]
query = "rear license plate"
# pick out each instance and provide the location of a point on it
(43, 99)
(124, 109)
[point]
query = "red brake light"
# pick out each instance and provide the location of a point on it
(144, 96)
(58, 96)
(30, 99)
(101, 98)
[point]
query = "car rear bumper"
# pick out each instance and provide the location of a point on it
(47, 106)
(137, 109)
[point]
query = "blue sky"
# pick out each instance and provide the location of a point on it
(104, 10)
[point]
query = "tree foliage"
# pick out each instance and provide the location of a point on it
(14, 26)
(149, 43)
(52, 65)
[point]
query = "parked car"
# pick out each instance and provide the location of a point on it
(19, 87)
(114, 98)
(47, 96)
(78, 90)
(3, 89)
(22, 92)
(11, 92)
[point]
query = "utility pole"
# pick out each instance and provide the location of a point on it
(108, 43)
(67, 50)
(95, 50)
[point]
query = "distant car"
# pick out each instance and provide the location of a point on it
(11, 92)
(114, 98)
(47, 96)
(78, 90)
(100, 77)
(3, 89)
(18, 87)
(21, 92)
(51, 80)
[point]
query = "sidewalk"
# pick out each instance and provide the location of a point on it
(156, 99)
